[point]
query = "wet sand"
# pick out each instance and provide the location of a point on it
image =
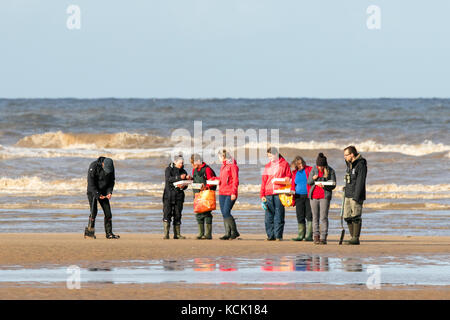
(34, 250)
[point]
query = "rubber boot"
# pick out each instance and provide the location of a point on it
(208, 233)
(234, 232)
(227, 225)
(309, 228)
(108, 230)
(201, 231)
(177, 232)
(89, 233)
(166, 229)
(301, 232)
(356, 231)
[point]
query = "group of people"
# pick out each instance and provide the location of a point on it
(311, 187)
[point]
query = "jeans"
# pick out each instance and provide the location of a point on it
(274, 217)
(226, 204)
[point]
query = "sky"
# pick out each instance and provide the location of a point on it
(224, 49)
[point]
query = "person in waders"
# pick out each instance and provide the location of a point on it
(320, 197)
(228, 193)
(302, 206)
(355, 192)
(277, 168)
(101, 180)
(201, 172)
(173, 197)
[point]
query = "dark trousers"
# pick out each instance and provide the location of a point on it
(104, 203)
(274, 217)
(226, 204)
(205, 217)
(302, 208)
(172, 210)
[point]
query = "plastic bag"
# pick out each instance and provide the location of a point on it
(205, 201)
(287, 199)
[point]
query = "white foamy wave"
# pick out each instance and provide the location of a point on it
(92, 141)
(424, 148)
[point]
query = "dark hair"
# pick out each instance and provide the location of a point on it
(225, 154)
(352, 150)
(297, 159)
(196, 157)
(272, 150)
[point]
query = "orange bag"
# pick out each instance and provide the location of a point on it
(205, 201)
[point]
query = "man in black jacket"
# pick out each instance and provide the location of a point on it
(355, 192)
(101, 180)
(173, 197)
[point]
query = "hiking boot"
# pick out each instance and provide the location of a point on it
(112, 236)
(201, 231)
(166, 229)
(227, 225)
(177, 232)
(208, 231)
(234, 232)
(89, 233)
(309, 228)
(316, 239)
(301, 232)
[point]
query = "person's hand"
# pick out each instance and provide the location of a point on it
(183, 176)
(109, 196)
(101, 197)
(188, 177)
(233, 197)
(287, 180)
(263, 199)
(320, 185)
(315, 176)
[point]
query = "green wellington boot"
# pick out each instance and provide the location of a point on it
(177, 232)
(201, 231)
(356, 231)
(208, 232)
(309, 228)
(227, 225)
(301, 232)
(166, 229)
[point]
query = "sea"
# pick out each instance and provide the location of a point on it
(46, 146)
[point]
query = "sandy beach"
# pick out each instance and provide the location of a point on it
(37, 250)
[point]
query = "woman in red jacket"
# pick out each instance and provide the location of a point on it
(228, 193)
(277, 168)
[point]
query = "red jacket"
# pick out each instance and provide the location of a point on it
(278, 169)
(307, 171)
(229, 178)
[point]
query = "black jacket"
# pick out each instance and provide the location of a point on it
(173, 194)
(100, 183)
(357, 172)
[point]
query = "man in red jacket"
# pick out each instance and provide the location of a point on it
(277, 168)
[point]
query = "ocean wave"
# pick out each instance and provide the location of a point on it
(421, 149)
(93, 141)
(40, 187)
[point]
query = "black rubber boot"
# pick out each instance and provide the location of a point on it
(89, 231)
(227, 225)
(234, 232)
(108, 230)
(177, 232)
(201, 231)
(166, 229)
(301, 232)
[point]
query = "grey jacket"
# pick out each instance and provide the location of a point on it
(328, 189)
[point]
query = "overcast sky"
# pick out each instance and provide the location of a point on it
(224, 48)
